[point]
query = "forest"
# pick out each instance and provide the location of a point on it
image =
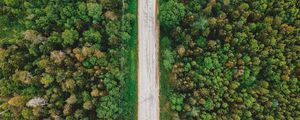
(67, 59)
(230, 59)
(219, 59)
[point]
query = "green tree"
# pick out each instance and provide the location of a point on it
(171, 13)
(94, 11)
(69, 36)
(201, 42)
(88, 105)
(92, 36)
(47, 80)
(168, 59)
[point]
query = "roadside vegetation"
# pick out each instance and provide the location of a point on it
(61, 59)
(230, 59)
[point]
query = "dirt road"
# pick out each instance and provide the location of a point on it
(148, 70)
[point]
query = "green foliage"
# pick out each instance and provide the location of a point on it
(208, 63)
(89, 62)
(165, 42)
(200, 24)
(171, 13)
(55, 38)
(11, 2)
(88, 105)
(201, 42)
(107, 108)
(69, 36)
(244, 6)
(47, 80)
(22, 76)
(71, 55)
(71, 100)
(69, 85)
(168, 59)
(94, 11)
(235, 59)
(92, 36)
(27, 114)
(176, 102)
(209, 105)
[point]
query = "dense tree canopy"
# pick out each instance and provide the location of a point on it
(171, 13)
(64, 59)
(231, 59)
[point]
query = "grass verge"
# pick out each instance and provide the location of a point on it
(131, 83)
(164, 84)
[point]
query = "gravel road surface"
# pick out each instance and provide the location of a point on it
(148, 66)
